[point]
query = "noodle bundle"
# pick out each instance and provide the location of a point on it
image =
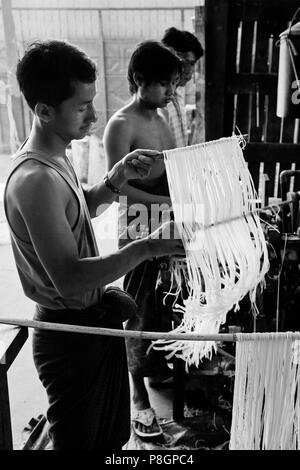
(266, 401)
(215, 210)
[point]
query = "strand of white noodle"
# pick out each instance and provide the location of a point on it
(266, 404)
(224, 261)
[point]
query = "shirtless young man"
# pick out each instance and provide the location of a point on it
(153, 73)
(85, 376)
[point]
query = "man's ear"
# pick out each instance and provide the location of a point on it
(138, 79)
(44, 112)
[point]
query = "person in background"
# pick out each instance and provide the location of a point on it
(49, 215)
(189, 49)
(153, 73)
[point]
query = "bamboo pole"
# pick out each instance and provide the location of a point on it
(257, 211)
(114, 332)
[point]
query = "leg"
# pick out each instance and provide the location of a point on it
(141, 402)
(178, 388)
(89, 407)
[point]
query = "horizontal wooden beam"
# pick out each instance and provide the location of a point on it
(95, 9)
(272, 153)
(263, 10)
(245, 83)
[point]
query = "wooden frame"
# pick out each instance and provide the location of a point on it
(12, 340)
(241, 85)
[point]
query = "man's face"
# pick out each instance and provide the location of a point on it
(74, 117)
(189, 62)
(158, 94)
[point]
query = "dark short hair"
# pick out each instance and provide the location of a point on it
(154, 62)
(47, 71)
(182, 41)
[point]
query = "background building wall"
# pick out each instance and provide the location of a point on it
(107, 30)
(108, 3)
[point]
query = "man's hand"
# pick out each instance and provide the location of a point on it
(166, 241)
(138, 163)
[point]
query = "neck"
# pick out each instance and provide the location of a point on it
(44, 139)
(144, 108)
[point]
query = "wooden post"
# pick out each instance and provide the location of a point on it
(102, 74)
(199, 133)
(12, 58)
(11, 342)
(216, 16)
(182, 18)
(6, 442)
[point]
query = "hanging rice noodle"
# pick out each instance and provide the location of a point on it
(215, 210)
(266, 402)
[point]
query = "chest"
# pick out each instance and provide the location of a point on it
(154, 135)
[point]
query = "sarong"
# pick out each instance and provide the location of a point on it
(147, 284)
(86, 376)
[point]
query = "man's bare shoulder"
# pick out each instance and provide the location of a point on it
(32, 181)
(125, 119)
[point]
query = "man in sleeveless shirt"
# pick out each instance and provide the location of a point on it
(85, 376)
(153, 73)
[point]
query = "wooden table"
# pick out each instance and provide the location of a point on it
(11, 341)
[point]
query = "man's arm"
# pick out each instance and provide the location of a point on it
(50, 232)
(136, 164)
(117, 142)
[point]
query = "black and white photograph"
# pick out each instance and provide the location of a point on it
(150, 228)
